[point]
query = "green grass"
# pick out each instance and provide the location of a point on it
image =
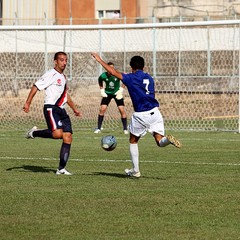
(187, 193)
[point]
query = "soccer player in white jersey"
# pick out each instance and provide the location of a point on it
(54, 83)
(146, 116)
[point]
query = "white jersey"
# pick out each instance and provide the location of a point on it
(55, 86)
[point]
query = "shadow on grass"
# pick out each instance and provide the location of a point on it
(32, 169)
(119, 175)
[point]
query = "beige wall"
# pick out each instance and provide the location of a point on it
(190, 8)
(146, 8)
(107, 4)
(29, 11)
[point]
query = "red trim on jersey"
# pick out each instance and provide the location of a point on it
(60, 101)
(63, 96)
(52, 121)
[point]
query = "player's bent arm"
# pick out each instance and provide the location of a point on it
(31, 94)
(100, 82)
(72, 106)
(30, 97)
(102, 90)
(110, 69)
(70, 102)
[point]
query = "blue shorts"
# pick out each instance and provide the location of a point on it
(57, 118)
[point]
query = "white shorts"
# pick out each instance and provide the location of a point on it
(149, 121)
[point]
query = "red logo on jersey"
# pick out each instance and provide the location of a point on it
(59, 82)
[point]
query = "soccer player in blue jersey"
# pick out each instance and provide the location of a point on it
(146, 116)
(54, 83)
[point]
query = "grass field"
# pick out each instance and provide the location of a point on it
(187, 193)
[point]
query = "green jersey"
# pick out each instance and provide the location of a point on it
(112, 83)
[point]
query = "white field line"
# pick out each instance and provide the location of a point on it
(114, 160)
(185, 139)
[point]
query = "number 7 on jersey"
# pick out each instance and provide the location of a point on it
(146, 81)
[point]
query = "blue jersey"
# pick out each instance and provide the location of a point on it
(141, 90)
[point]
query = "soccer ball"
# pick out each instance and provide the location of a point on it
(108, 142)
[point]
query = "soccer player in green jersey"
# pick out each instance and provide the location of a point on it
(112, 90)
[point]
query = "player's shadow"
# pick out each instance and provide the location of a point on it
(118, 175)
(32, 169)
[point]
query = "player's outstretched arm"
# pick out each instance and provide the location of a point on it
(30, 97)
(111, 70)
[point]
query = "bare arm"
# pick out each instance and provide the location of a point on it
(72, 106)
(30, 97)
(100, 83)
(111, 70)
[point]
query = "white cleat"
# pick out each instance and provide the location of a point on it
(174, 141)
(29, 134)
(125, 132)
(132, 173)
(97, 131)
(63, 172)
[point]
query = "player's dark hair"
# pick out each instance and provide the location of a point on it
(110, 63)
(137, 62)
(59, 53)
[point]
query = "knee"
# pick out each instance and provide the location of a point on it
(133, 139)
(102, 111)
(124, 115)
(67, 138)
(57, 134)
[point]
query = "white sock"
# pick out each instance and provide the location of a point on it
(164, 142)
(134, 156)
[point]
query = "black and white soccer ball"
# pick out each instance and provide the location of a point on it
(108, 142)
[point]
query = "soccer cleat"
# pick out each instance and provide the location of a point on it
(132, 173)
(125, 132)
(174, 141)
(63, 171)
(97, 131)
(29, 134)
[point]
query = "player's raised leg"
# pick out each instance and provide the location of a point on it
(163, 141)
(174, 141)
(29, 133)
(35, 132)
